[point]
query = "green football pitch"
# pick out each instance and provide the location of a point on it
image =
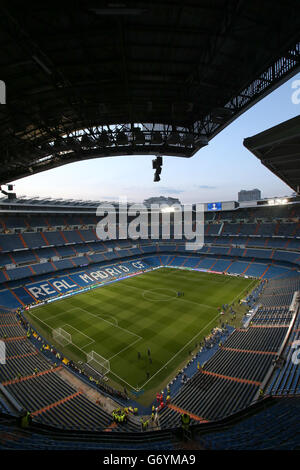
(121, 321)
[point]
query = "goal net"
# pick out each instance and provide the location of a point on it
(98, 362)
(61, 336)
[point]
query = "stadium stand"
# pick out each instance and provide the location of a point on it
(263, 431)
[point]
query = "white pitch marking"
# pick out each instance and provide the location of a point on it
(80, 332)
(124, 349)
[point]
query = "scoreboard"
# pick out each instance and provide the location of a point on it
(214, 206)
(221, 206)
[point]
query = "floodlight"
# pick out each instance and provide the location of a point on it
(156, 177)
(168, 209)
(157, 163)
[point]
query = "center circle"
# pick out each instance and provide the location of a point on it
(160, 294)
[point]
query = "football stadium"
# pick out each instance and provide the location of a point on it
(136, 341)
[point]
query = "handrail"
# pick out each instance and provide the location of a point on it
(139, 436)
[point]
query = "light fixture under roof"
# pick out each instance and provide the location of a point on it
(156, 138)
(72, 143)
(46, 148)
(156, 165)
(188, 139)
(174, 138)
(121, 138)
(86, 141)
(103, 139)
(59, 143)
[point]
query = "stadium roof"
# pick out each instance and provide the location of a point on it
(278, 148)
(48, 201)
(94, 79)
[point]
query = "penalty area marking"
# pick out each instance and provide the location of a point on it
(124, 349)
(93, 341)
(51, 329)
(57, 315)
(101, 318)
(139, 338)
(80, 332)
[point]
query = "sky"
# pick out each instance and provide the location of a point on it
(215, 173)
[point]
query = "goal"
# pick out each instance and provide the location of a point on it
(98, 362)
(62, 336)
